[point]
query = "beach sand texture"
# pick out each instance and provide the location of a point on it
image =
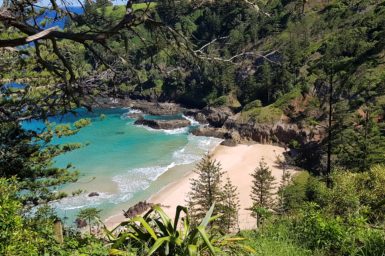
(238, 163)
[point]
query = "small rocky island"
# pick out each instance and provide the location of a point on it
(163, 124)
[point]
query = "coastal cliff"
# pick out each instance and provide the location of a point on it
(221, 122)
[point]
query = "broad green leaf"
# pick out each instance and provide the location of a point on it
(146, 226)
(206, 219)
(116, 252)
(206, 239)
(165, 219)
(192, 250)
(179, 209)
(158, 243)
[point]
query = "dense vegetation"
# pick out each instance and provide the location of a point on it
(318, 64)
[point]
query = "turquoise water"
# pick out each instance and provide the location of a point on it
(123, 162)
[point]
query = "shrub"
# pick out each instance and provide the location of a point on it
(253, 104)
(221, 101)
(156, 234)
(295, 192)
(268, 114)
(274, 240)
(315, 230)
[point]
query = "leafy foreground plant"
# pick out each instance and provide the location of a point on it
(156, 234)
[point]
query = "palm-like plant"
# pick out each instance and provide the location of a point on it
(89, 214)
(156, 234)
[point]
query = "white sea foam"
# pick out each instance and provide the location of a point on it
(192, 120)
(135, 111)
(195, 149)
(81, 201)
(129, 112)
(137, 179)
(170, 132)
(176, 131)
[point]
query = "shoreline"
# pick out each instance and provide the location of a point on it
(237, 162)
(113, 220)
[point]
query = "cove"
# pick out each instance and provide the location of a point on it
(122, 162)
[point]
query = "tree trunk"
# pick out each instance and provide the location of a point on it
(329, 150)
(89, 224)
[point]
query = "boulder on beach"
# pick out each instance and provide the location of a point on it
(137, 209)
(93, 194)
(164, 124)
(212, 132)
(229, 143)
(80, 223)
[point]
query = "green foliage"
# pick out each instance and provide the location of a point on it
(21, 234)
(28, 156)
(89, 214)
(295, 191)
(262, 191)
(274, 240)
(317, 230)
(343, 220)
(253, 104)
(362, 144)
(268, 114)
(207, 189)
(156, 234)
(221, 101)
(230, 205)
(283, 101)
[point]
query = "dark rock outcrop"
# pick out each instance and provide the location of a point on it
(80, 223)
(273, 133)
(164, 124)
(215, 117)
(229, 143)
(222, 123)
(196, 114)
(156, 108)
(137, 209)
(93, 194)
(212, 132)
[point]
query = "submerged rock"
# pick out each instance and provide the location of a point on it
(134, 115)
(164, 124)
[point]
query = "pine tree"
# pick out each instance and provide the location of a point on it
(285, 179)
(205, 189)
(266, 81)
(230, 205)
(262, 190)
(362, 143)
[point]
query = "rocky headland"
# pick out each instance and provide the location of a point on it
(220, 122)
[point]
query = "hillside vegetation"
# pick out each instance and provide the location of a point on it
(317, 66)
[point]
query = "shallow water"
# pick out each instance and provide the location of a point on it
(124, 163)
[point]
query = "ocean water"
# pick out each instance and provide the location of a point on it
(123, 162)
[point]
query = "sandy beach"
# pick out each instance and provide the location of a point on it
(238, 163)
